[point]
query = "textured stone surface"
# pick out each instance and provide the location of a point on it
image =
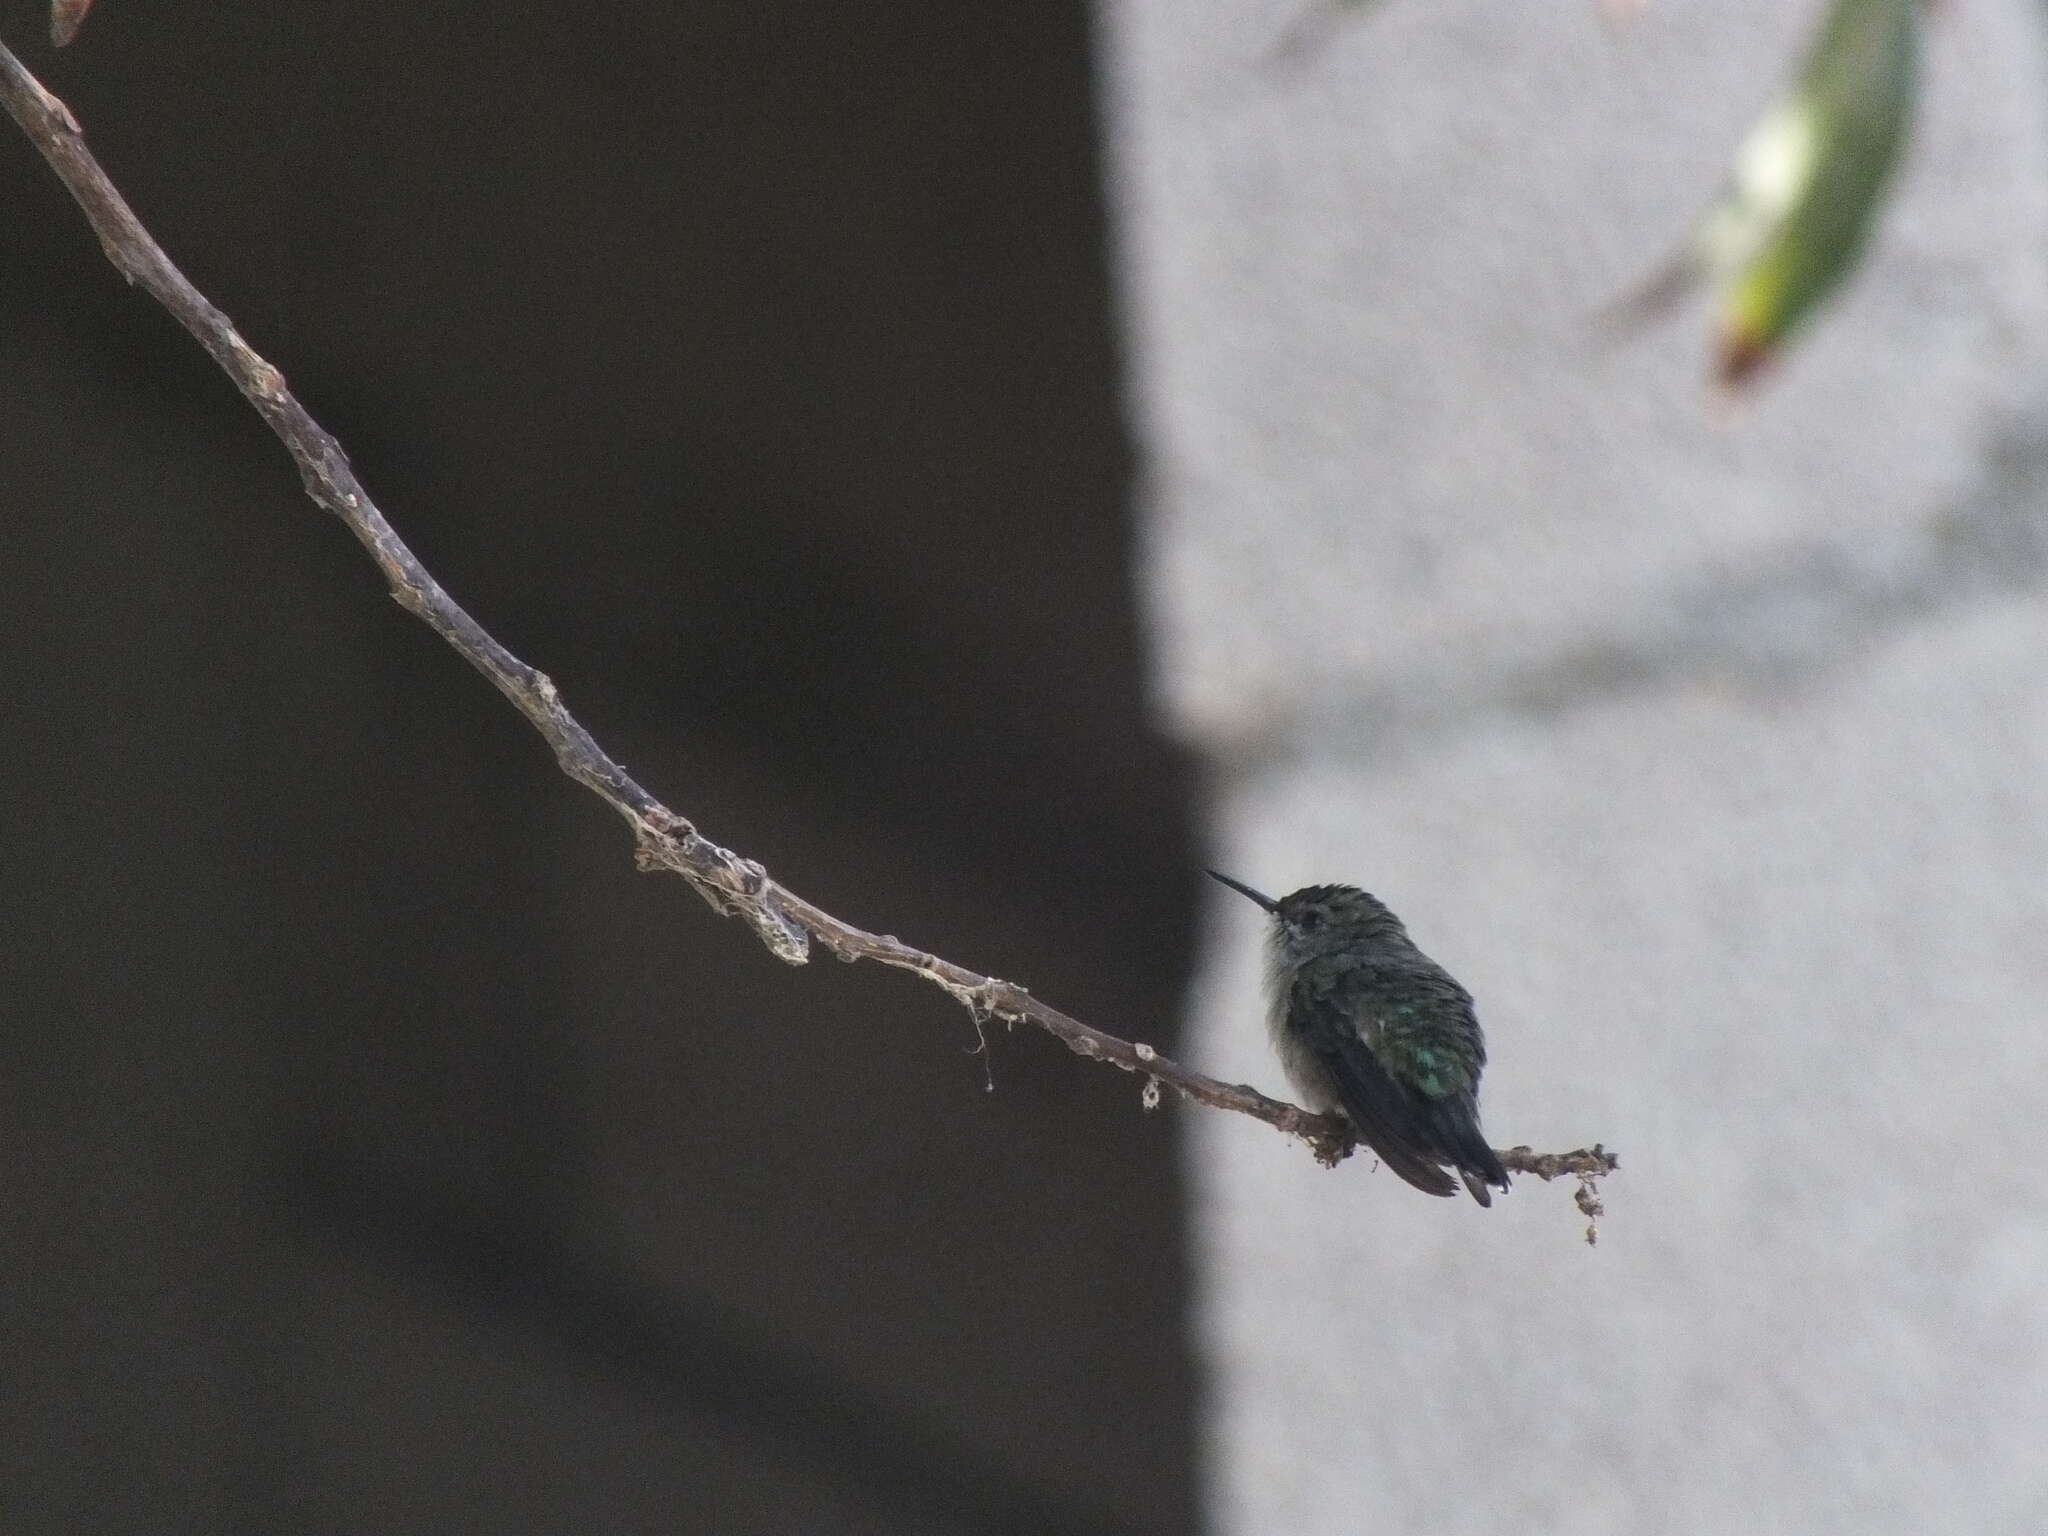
(1710, 750)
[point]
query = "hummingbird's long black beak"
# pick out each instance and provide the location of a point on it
(1244, 890)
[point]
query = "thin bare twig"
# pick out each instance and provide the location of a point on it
(733, 885)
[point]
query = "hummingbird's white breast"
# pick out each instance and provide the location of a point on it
(1307, 1076)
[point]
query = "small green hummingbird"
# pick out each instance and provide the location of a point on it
(1367, 1024)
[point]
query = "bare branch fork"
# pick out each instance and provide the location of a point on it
(734, 886)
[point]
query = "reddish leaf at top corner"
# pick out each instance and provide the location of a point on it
(66, 16)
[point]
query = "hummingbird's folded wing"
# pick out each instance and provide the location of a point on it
(1384, 1118)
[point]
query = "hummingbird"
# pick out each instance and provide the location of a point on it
(1367, 1024)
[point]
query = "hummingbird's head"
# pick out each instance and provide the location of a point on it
(1319, 918)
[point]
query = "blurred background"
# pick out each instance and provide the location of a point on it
(383, 1152)
(1702, 738)
(983, 463)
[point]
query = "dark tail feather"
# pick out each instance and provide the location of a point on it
(1464, 1144)
(1425, 1176)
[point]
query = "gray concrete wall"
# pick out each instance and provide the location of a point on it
(1709, 748)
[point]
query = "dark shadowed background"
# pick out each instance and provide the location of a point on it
(380, 1151)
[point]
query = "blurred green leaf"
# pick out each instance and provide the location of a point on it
(1805, 186)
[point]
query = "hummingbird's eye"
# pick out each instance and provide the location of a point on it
(1309, 920)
